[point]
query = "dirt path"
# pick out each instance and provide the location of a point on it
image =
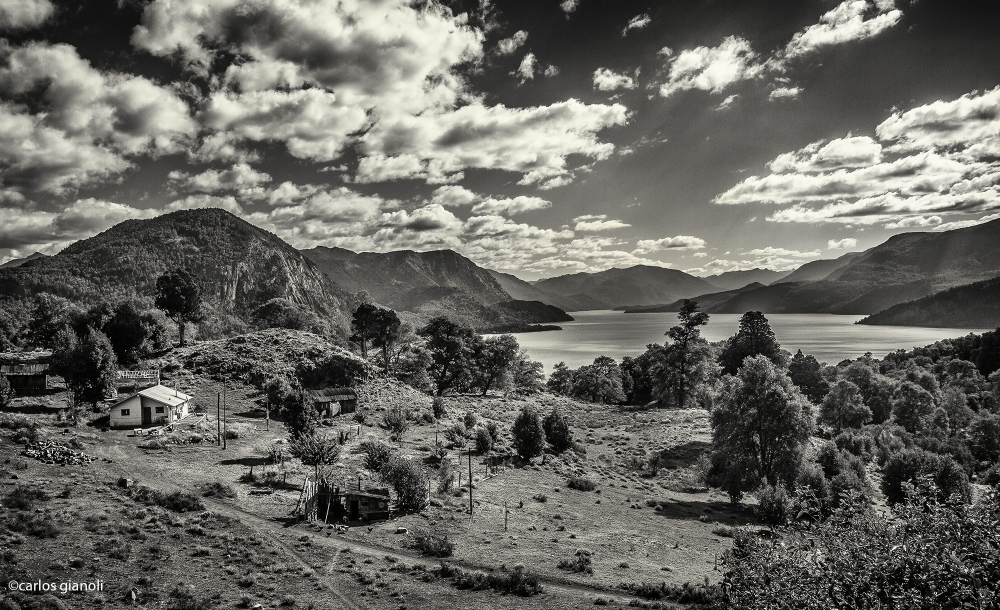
(127, 464)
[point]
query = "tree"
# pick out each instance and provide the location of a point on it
(599, 382)
(484, 442)
(132, 333)
(753, 338)
(910, 465)
(387, 329)
(451, 347)
(760, 426)
(527, 375)
(843, 407)
(911, 406)
(178, 295)
(493, 360)
(49, 315)
(6, 392)
(984, 438)
(408, 480)
(397, 421)
(557, 431)
(529, 436)
(303, 417)
(681, 365)
(282, 313)
(91, 369)
(807, 374)
(561, 380)
(363, 326)
(316, 450)
(876, 389)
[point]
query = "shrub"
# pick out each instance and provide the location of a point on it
(397, 421)
(427, 417)
(494, 429)
(6, 393)
(23, 497)
(856, 443)
(773, 504)
(910, 465)
(581, 484)
(176, 501)
(183, 598)
(684, 594)
(470, 420)
(377, 454)
(557, 431)
(33, 524)
(812, 490)
(484, 442)
(433, 545)
(408, 480)
(437, 406)
(580, 563)
(232, 434)
(517, 581)
(218, 490)
(529, 437)
(992, 476)
(456, 434)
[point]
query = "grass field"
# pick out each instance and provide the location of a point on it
(621, 523)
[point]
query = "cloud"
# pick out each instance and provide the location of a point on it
(784, 93)
(598, 222)
(83, 124)
(846, 243)
(849, 21)
(533, 141)
(772, 251)
(38, 230)
(961, 224)
(607, 80)
(729, 101)
(454, 196)
(824, 155)
(637, 23)
(680, 242)
(970, 123)
(711, 68)
(569, 6)
(203, 201)
(510, 207)
(239, 177)
(24, 14)
(507, 46)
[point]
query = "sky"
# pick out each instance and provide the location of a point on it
(536, 137)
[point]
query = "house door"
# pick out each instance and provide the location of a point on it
(355, 510)
(147, 416)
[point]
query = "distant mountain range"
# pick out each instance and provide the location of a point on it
(975, 305)
(525, 291)
(639, 285)
(731, 280)
(814, 271)
(427, 284)
(17, 262)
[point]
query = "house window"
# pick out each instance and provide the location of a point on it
(159, 409)
(124, 412)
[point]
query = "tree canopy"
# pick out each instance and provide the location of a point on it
(753, 338)
(178, 294)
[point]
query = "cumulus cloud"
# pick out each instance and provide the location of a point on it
(637, 23)
(846, 243)
(597, 222)
(783, 252)
(784, 93)
(679, 242)
(608, 80)
(510, 207)
(729, 101)
(507, 46)
(87, 123)
(711, 68)
(849, 21)
(926, 165)
(203, 201)
(239, 177)
(30, 230)
(454, 196)
(24, 14)
(569, 6)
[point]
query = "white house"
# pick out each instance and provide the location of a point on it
(153, 406)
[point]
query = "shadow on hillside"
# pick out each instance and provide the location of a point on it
(721, 511)
(683, 455)
(246, 461)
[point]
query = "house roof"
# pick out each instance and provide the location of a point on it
(162, 394)
(328, 394)
(24, 369)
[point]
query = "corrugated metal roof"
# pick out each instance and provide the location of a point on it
(326, 394)
(163, 394)
(24, 369)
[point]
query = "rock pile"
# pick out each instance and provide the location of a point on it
(51, 452)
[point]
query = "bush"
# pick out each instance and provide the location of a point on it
(580, 563)
(397, 421)
(529, 437)
(470, 420)
(484, 442)
(856, 443)
(437, 406)
(456, 434)
(684, 594)
(176, 501)
(446, 475)
(581, 484)
(231, 434)
(911, 465)
(218, 490)
(33, 524)
(516, 581)
(773, 504)
(812, 490)
(408, 480)
(23, 497)
(6, 393)
(992, 476)
(494, 429)
(434, 546)
(557, 431)
(377, 454)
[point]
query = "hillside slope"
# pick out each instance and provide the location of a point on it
(428, 284)
(814, 271)
(705, 301)
(525, 291)
(732, 280)
(639, 285)
(239, 265)
(975, 305)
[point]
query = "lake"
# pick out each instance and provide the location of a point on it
(830, 338)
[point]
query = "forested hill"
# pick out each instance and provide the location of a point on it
(975, 305)
(639, 285)
(428, 284)
(525, 291)
(239, 265)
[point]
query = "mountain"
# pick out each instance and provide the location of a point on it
(240, 265)
(428, 284)
(975, 305)
(731, 280)
(639, 285)
(705, 301)
(522, 290)
(814, 271)
(17, 262)
(905, 267)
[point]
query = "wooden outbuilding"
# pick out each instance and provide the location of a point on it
(155, 406)
(27, 372)
(333, 401)
(352, 505)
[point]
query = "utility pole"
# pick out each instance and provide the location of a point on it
(267, 414)
(470, 483)
(505, 513)
(218, 418)
(224, 407)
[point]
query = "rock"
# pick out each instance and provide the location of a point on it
(400, 530)
(436, 503)
(126, 483)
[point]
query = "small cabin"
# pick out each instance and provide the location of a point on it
(333, 401)
(26, 372)
(155, 406)
(353, 504)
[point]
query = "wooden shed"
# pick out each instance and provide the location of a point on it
(353, 505)
(26, 372)
(153, 406)
(333, 401)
